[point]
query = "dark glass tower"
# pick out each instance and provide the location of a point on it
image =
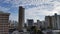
(21, 18)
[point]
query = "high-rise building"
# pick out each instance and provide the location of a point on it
(48, 21)
(21, 18)
(4, 27)
(56, 21)
(30, 22)
(53, 21)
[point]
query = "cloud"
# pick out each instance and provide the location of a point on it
(57, 10)
(34, 9)
(26, 2)
(16, 3)
(39, 13)
(35, 13)
(13, 15)
(4, 9)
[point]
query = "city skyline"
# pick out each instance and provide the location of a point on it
(34, 9)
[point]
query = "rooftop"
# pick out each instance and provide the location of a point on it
(1, 12)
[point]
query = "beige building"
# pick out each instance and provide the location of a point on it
(4, 18)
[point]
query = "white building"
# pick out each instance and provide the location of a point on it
(53, 21)
(56, 21)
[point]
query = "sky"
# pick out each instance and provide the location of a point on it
(34, 9)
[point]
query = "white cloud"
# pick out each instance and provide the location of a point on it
(35, 14)
(4, 9)
(57, 10)
(26, 2)
(12, 16)
(49, 8)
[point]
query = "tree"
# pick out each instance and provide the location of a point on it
(39, 32)
(33, 29)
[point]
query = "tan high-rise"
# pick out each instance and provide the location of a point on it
(21, 18)
(4, 18)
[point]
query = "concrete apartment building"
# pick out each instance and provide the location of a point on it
(53, 21)
(21, 18)
(56, 21)
(48, 21)
(4, 27)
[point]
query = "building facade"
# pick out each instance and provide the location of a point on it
(48, 21)
(53, 21)
(4, 27)
(21, 18)
(43, 25)
(56, 21)
(35, 24)
(39, 24)
(30, 22)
